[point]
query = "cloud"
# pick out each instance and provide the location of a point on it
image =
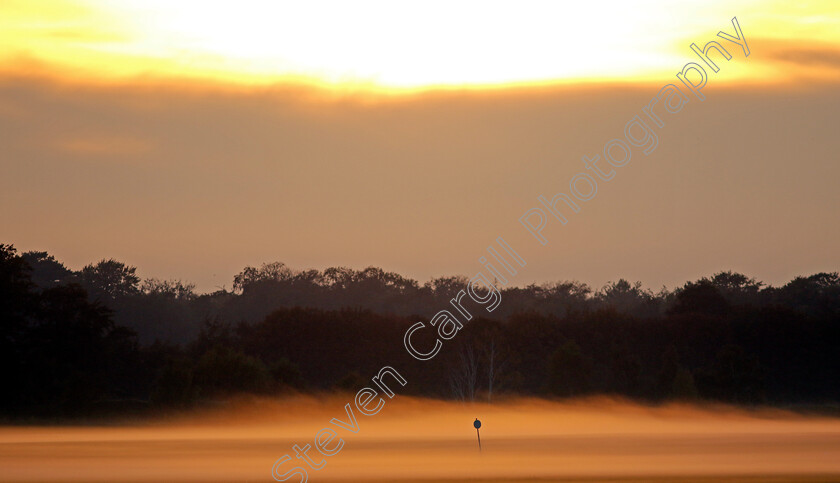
(819, 56)
(103, 146)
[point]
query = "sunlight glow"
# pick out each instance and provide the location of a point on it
(386, 44)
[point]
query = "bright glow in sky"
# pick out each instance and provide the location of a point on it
(406, 44)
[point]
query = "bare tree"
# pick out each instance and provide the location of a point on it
(464, 378)
(496, 362)
(491, 368)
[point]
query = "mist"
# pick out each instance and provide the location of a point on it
(418, 439)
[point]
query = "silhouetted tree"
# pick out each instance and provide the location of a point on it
(171, 289)
(46, 270)
(628, 298)
(700, 297)
(110, 279)
(17, 304)
(223, 370)
(65, 351)
(737, 288)
(569, 369)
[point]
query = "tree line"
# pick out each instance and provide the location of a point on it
(101, 340)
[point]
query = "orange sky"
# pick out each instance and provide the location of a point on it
(382, 45)
(411, 138)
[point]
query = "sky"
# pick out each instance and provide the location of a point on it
(192, 139)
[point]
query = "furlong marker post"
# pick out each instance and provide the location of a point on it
(477, 425)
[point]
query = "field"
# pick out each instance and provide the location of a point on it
(419, 440)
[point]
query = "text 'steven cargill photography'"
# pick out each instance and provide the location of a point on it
(419, 241)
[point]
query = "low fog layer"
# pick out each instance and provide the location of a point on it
(421, 439)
